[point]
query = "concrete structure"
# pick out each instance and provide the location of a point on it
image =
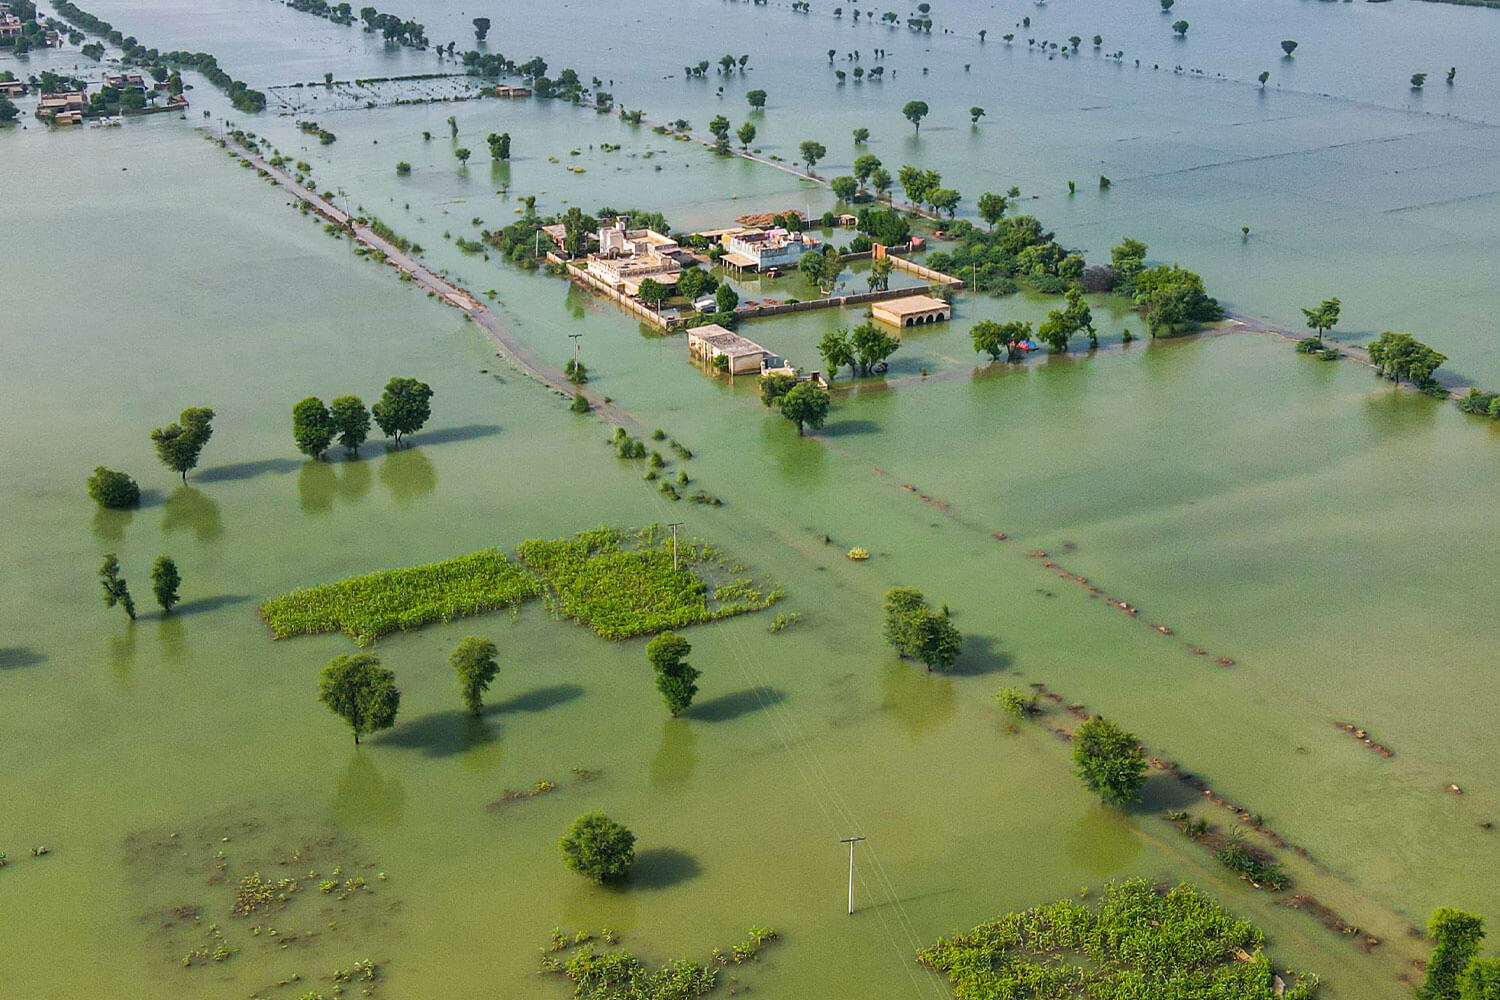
(768, 249)
(12, 88)
(125, 81)
(10, 26)
(68, 102)
(628, 257)
(913, 310)
(741, 356)
(512, 92)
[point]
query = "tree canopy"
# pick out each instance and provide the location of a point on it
(116, 490)
(1110, 761)
(403, 408)
(598, 848)
(676, 679)
(914, 112)
(360, 691)
(312, 427)
(805, 405)
(473, 662)
(179, 444)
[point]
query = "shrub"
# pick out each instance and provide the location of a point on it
(115, 490)
(1309, 345)
(598, 848)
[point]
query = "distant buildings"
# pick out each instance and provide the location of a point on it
(626, 258)
(767, 249)
(10, 25)
(125, 81)
(12, 88)
(63, 108)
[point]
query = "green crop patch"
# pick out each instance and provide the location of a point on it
(1139, 941)
(622, 584)
(367, 607)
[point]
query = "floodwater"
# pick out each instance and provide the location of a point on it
(1331, 535)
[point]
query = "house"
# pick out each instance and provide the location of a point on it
(628, 257)
(68, 118)
(767, 249)
(10, 26)
(125, 81)
(12, 88)
(911, 310)
(558, 234)
(67, 102)
(711, 342)
(512, 92)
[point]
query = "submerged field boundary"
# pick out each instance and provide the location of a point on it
(438, 286)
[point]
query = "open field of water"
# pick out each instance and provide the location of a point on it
(1329, 534)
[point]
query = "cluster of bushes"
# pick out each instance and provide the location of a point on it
(394, 28)
(1140, 940)
(339, 13)
(1399, 356)
(1172, 298)
(620, 975)
(1013, 250)
(325, 137)
(1481, 404)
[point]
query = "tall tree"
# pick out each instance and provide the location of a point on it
(756, 98)
(116, 490)
(812, 152)
(865, 164)
(360, 691)
(403, 408)
(871, 345)
(995, 339)
(164, 582)
(774, 386)
(312, 427)
(976, 113)
(992, 207)
(938, 640)
(352, 421)
(880, 180)
(178, 444)
(653, 291)
(1322, 317)
(836, 351)
(115, 590)
(914, 112)
(746, 133)
(481, 27)
(1110, 761)
(805, 405)
(676, 679)
(473, 661)
(845, 188)
(861, 136)
(880, 274)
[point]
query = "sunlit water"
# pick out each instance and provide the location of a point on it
(1329, 534)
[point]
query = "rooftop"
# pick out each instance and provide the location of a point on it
(911, 305)
(725, 342)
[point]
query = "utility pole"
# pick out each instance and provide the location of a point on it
(851, 841)
(674, 526)
(574, 338)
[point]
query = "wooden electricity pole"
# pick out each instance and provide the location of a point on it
(674, 526)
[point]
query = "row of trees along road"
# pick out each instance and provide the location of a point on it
(403, 408)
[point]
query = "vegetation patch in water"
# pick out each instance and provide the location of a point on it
(1141, 940)
(620, 975)
(369, 606)
(622, 584)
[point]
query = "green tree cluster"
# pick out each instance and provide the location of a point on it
(917, 632)
(116, 490)
(805, 405)
(403, 408)
(995, 338)
(862, 349)
(315, 426)
(1399, 356)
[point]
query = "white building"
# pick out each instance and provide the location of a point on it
(768, 249)
(628, 257)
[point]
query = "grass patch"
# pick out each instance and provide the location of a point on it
(367, 607)
(621, 583)
(1140, 941)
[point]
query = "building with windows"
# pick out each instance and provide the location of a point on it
(767, 249)
(626, 258)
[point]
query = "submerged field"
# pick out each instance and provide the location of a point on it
(1326, 534)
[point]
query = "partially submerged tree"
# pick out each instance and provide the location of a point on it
(676, 679)
(312, 427)
(1289, 46)
(774, 386)
(1110, 761)
(994, 338)
(360, 691)
(351, 420)
(481, 27)
(805, 405)
(115, 590)
(812, 152)
(403, 408)
(164, 582)
(179, 444)
(914, 112)
(115, 490)
(756, 98)
(473, 661)
(598, 848)
(1458, 936)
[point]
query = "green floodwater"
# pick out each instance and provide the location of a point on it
(1330, 534)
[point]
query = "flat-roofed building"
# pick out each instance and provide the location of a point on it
(626, 258)
(62, 102)
(10, 26)
(768, 249)
(742, 356)
(125, 81)
(911, 310)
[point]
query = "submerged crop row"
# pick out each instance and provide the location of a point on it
(619, 583)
